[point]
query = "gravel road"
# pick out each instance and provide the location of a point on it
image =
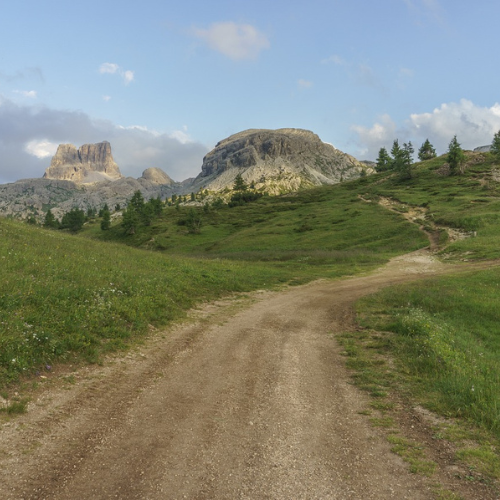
(249, 400)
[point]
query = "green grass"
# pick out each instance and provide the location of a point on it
(64, 297)
(447, 338)
(322, 226)
(468, 202)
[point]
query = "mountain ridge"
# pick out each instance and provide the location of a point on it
(272, 161)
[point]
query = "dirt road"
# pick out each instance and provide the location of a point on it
(249, 401)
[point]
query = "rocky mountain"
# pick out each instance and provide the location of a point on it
(88, 164)
(33, 197)
(273, 161)
(157, 176)
(276, 161)
(83, 178)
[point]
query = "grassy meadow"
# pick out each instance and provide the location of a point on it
(65, 297)
(447, 339)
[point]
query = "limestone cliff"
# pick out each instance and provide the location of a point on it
(277, 161)
(88, 164)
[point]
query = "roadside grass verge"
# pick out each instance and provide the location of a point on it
(64, 298)
(443, 337)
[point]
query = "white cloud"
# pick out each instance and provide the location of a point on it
(113, 69)
(31, 94)
(182, 135)
(305, 84)
(128, 76)
(41, 149)
(109, 68)
(236, 41)
(370, 140)
(106, 98)
(473, 125)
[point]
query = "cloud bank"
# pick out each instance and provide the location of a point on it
(473, 125)
(29, 137)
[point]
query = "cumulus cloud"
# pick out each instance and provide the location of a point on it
(113, 68)
(29, 136)
(41, 148)
(236, 41)
(370, 140)
(473, 125)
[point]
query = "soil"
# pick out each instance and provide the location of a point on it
(250, 399)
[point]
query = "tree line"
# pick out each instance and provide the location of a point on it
(76, 218)
(400, 158)
(140, 213)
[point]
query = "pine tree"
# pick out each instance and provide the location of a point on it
(73, 220)
(495, 146)
(137, 201)
(239, 184)
(193, 221)
(456, 156)
(383, 161)
(397, 156)
(407, 160)
(50, 221)
(106, 220)
(130, 220)
(426, 151)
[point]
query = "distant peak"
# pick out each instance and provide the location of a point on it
(88, 164)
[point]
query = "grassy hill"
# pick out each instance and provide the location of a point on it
(66, 298)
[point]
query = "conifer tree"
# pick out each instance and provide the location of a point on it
(456, 156)
(397, 156)
(106, 220)
(73, 220)
(407, 160)
(50, 221)
(239, 184)
(384, 161)
(495, 146)
(426, 151)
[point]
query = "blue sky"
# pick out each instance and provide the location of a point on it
(164, 81)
